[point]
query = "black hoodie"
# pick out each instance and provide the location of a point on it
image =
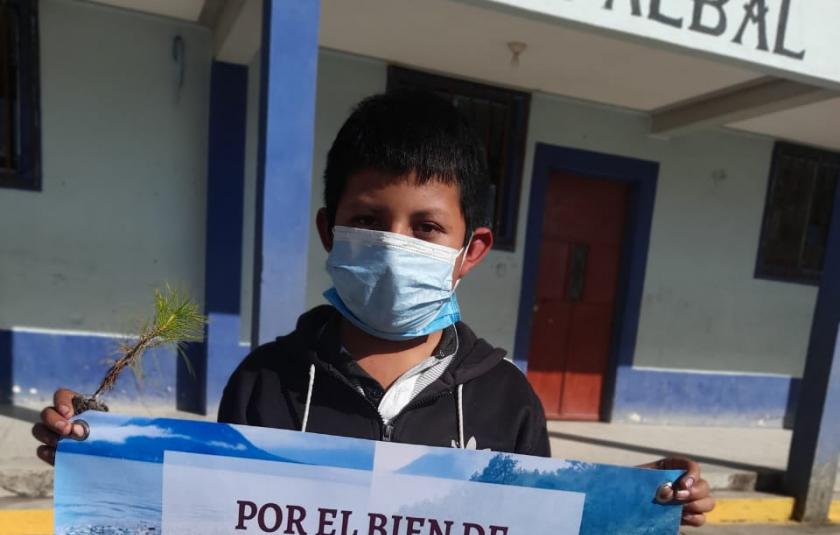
(481, 396)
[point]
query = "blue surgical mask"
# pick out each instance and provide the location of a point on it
(392, 286)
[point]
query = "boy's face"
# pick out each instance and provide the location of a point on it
(430, 212)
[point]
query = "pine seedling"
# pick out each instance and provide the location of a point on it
(176, 320)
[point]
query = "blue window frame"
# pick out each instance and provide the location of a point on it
(20, 132)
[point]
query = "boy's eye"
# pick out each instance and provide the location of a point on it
(426, 229)
(363, 221)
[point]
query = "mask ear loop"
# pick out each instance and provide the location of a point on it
(463, 259)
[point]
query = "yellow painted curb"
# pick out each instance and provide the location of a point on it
(760, 511)
(751, 511)
(834, 512)
(26, 522)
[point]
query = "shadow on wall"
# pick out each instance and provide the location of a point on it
(792, 402)
(5, 367)
(191, 378)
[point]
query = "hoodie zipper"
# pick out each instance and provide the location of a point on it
(383, 427)
(387, 436)
(386, 430)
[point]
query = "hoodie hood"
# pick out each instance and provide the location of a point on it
(474, 358)
(480, 401)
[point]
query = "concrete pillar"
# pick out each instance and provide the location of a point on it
(814, 451)
(284, 166)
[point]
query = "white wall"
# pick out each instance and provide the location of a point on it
(123, 203)
(702, 307)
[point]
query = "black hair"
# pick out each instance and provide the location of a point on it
(403, 131)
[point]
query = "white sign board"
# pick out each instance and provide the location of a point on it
(782, 36)
(265, 497)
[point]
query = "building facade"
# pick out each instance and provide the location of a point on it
(664, 180)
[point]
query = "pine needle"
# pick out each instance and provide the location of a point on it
(176, 320)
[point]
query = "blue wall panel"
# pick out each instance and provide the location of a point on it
(44, 361)
(686, 398)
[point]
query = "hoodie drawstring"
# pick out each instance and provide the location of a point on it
(308, 397)
(460, 395)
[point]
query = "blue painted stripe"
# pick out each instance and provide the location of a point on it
(39, 362)
(284, 165)
(43, 362)
(698, 398)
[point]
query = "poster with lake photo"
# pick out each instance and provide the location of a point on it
(155, 475)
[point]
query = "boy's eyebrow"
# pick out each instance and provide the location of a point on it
(431, 212)
(366, 206)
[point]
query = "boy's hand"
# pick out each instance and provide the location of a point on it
(690, 490)
(55, 424)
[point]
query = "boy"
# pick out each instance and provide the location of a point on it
(404, 221)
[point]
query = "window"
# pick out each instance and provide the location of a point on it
(500, 117)
(20, 151)
(797, 216)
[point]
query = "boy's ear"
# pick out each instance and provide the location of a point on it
(480, 245)
(324, 230)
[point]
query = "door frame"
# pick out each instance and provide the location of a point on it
(642, 175)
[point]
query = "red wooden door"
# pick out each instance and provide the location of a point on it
(579, 258)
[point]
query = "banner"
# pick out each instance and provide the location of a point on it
(781, 36)
(147, 476)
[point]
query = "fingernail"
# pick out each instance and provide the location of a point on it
(688, 482)
(65, 411)
(79, 431)
(664, 493)
(683, 494)
(687, 516)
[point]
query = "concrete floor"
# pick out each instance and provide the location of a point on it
(718, 447)
(731, 457)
